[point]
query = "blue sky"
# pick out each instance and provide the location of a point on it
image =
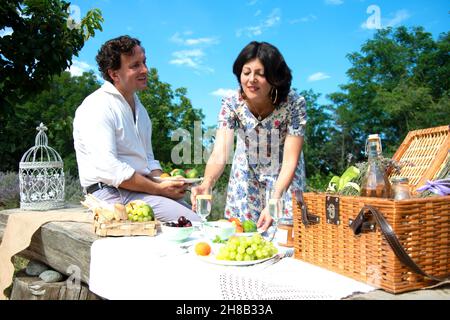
(193, 43)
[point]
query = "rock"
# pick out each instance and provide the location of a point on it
(35, 268)
(51, 276)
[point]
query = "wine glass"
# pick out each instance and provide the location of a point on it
(275, 205)
(204, 205)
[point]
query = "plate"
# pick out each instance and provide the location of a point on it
(187, 180)
(245, 234)
(212, 258)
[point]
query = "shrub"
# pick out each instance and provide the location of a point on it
(10, 193)
(73, 190)
(9, 190)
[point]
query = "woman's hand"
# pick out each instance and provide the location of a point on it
(172, 189)
(201, 189)
(264, 221)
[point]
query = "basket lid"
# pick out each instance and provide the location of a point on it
(422, 155)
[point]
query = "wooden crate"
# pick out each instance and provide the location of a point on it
(422, 225)
(125, 228)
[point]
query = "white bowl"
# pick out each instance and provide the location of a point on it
(176, 233)
(223, 229)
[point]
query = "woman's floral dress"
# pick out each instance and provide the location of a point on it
(259, 153)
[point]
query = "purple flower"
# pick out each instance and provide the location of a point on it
(440, 187)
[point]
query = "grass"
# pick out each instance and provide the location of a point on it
(19, 264)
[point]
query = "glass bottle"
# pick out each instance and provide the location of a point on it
(375, 183)
(400, 187)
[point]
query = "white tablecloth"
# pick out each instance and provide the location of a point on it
(153, 268)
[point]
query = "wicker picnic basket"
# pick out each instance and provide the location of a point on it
(395, 245)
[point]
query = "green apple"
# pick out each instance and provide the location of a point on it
(178, 172)
(192, 174)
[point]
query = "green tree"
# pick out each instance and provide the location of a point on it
(169, 110)
(399, 81)
(319, 150)
(41, 44)
(55, 107)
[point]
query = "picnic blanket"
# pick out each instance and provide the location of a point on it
(154, 269)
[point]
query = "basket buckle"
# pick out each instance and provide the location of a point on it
(332, 210)
(363, 223)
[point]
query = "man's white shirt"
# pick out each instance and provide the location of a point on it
(110, 146)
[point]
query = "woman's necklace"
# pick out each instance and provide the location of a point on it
(259, 117)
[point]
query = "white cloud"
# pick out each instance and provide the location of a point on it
(221, 92)
(305, 19)
(78, 67)
(257, 13)
(190, 58)
(252, 2)
(177, 38)
(194, 56)
(399, 17)
(334, 2)
(318, 76)
(6, 32)
(273, 19)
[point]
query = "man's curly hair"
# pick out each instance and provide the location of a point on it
(108, 56)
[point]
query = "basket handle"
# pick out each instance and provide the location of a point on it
(391, 238)
(307, 218)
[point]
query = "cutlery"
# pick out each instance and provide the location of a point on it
(278, 257)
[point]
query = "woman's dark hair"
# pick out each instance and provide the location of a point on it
(276, 70)
(108, 57)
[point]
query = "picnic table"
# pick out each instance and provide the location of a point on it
(64, 244)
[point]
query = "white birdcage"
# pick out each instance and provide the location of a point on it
(41, 176)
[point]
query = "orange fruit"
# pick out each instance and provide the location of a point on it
(164, 175)
(202, 249)
(238, 224)
(236, 221)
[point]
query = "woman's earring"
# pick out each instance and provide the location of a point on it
(274, 101)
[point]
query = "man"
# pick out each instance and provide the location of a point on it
(112, 137)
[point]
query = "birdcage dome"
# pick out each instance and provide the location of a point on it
(41, 176)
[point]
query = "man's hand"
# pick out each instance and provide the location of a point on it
(264, 221)
(172, 189)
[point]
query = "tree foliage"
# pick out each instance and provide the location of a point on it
(399, 81)
(41, 44)
(169, 110)
(55, 107)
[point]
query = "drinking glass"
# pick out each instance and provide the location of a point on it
(204, 204)
(275, 206)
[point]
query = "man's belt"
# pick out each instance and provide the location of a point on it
(96, 186)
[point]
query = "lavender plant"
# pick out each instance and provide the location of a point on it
(9, 190)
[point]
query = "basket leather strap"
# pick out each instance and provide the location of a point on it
(307, 219)
(391, 238)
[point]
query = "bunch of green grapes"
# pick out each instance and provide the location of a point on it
(246, 249)
(141, 212)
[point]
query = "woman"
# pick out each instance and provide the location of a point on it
(270, 121)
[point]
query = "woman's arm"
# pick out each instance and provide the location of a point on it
(219, 156)
(291, 154)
